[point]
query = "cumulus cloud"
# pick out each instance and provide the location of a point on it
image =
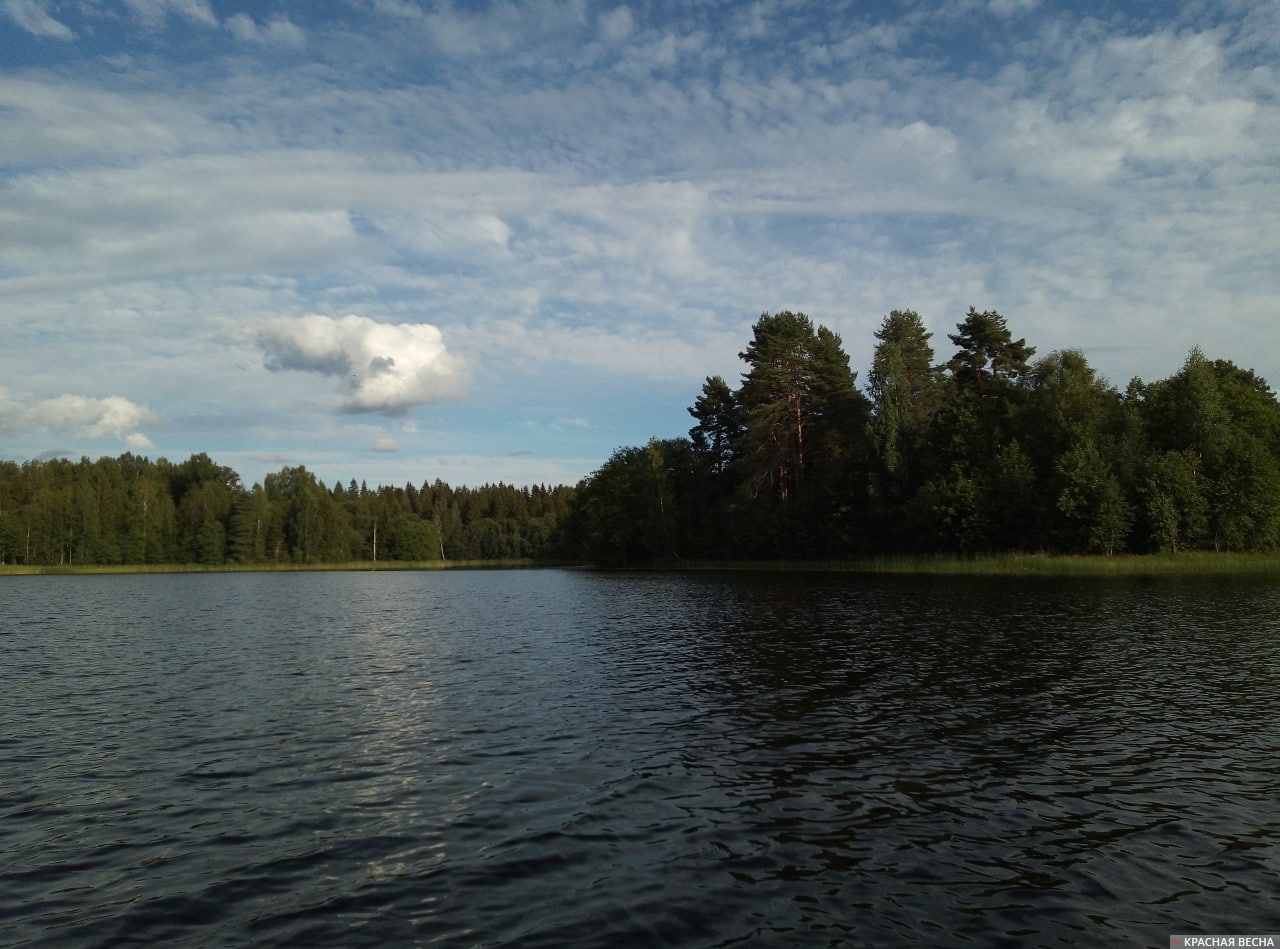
(32, 16)
(110, 417)
(96, 418)
(383, 367)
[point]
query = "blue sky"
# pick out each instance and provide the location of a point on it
(398, 241)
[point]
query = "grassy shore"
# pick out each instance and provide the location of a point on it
(364, 565)
(1192, 563)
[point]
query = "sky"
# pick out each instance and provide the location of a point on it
(398, 240)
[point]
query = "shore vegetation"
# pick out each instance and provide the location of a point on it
(990, 460)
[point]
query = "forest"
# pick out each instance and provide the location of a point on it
(130, 510)
(990, 451)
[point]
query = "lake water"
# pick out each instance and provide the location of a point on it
(556, 758)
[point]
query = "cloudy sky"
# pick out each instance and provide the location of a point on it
(397, 240)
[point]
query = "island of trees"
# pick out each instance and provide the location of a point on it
(987, 452)
(990, 451)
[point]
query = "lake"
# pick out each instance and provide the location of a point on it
(558, 757)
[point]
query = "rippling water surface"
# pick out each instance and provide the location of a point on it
(572, 758)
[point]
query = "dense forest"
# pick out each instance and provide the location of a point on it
(989, 451)
(986, 452)
(131, 510)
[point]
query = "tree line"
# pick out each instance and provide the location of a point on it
(131, 510)
(988, 451)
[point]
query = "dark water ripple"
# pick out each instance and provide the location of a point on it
(563, 758)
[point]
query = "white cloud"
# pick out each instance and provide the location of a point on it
(385, 445)
(446, 235)
(34, 17)
(12, 412)
(1006, 8)
(208, 214)
(660, 53)
(600, 351)
(96, 418)
(616, 25)
(610, 199)
(279, 32)
(154, 13)
(110, 417)
(494, 30)
(401, 9)
(55, 122)
(384, 367)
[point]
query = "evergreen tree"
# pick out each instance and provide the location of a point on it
(905, 391)
(798, 397)
(988, 359)
(718, 429)
(969, 449)
(776, 403)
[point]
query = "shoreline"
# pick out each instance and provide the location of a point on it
(32, 570)
(1190, 563)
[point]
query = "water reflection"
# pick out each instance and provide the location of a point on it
(1031, 750)
(551, 758)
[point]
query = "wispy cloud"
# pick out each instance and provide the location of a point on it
(592, 202)
(34, 17)
(154, 13)
(616, 25)
(277, 32)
